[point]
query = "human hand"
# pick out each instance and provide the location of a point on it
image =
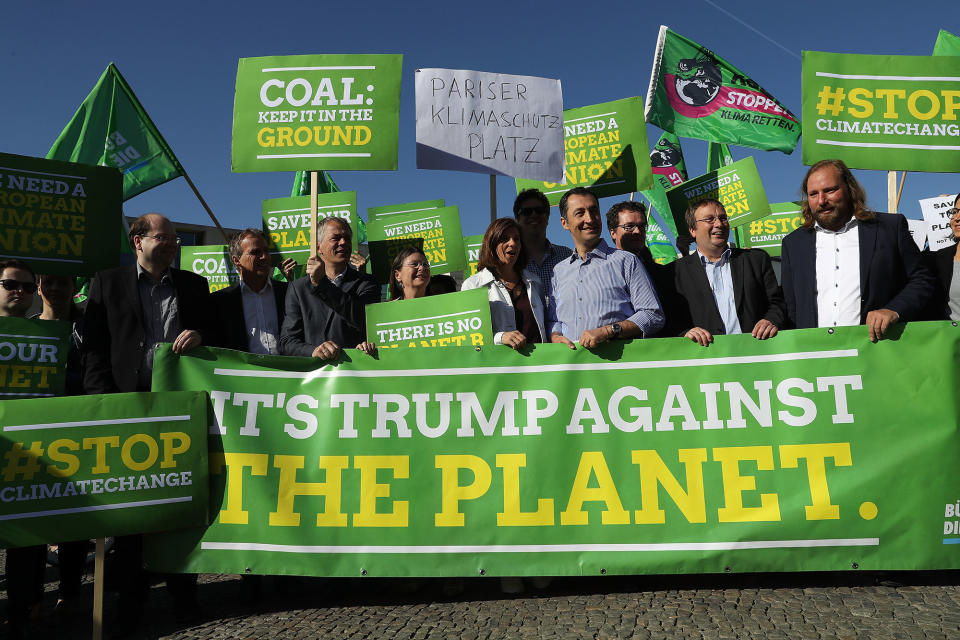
(287, 267)
(315, 269)
(514, 339)
(558, 338)
(594, 337)
(187, 340)
(357, 261)
(764, 329)
(699, 335)
(368, 348)
(329, 350)
(879, 321)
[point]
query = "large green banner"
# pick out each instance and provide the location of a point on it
(315, 112)
(33, 357)
(695, 93)
(436, 231)
(212, 261)
(815, 450)
(61, 217)
(882, 112)
(736, 185)
(287, 221)
(134, 462)
(606, 151)
(450, 320)
(768, 233)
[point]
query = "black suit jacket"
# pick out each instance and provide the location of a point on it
(230, 328)
(317, 313)
(892, 273)
(114, 335)
(755, 291)
(940, 262)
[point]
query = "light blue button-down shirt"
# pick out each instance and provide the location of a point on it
(721, 284)
(608, 286)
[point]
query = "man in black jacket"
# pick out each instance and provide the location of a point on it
(129, 311)
(250, 313)
(727, 290)
(325, 309)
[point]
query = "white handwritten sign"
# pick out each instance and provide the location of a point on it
(490, 123)
(918, 231)
(937, 212)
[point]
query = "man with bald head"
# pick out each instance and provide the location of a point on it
(129, 311)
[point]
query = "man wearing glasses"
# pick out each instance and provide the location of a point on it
(17, 286)
(727, 290)
(531, 210)
(129, 311)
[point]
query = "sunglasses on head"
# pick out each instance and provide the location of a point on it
(13, 285)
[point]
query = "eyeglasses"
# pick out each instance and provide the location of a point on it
(417, 265)
(534, 211)
(630, 227)
(712, 219)
(954, 212)
(14, 285)
(163, 237)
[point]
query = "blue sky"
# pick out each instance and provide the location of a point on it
(181, 60)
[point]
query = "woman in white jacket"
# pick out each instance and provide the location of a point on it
(516, 302)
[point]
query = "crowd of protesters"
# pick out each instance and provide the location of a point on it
(845, 265)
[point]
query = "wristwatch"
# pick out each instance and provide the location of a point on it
(615, 330)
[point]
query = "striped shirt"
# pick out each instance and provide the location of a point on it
(554, 254)
(607, 287)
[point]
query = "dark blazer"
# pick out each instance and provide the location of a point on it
(940, 262)
(114, 336)
(317, 313)
(230, 328)
(892, 273)
(756, 293)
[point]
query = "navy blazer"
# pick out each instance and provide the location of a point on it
(892, 273)
(231, 325)
(756, 293)
(114, 335)
(317, 313)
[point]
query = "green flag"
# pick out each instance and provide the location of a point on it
(718, 155)
(947, 44)
(669, 170)
(301, 183)
(697, 94)
(111, 128)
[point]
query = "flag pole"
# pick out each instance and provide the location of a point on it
(493, 197)
(903, 179)
(892, 191)
(206, 206)
(314, 185)
(99, 558)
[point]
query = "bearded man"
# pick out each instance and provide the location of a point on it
(847, 265)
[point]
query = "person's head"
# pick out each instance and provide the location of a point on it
(627, 222)
(154, 240)
(580, 215)
(955, 219)
(831, 195)
(250, 255)
(409, 274)
(440, 284)
(57, 291)
(709, 227)
(502, 250)
(531, 210)
(334, 236)
(17, 286)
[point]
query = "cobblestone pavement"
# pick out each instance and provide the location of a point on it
(849, 605)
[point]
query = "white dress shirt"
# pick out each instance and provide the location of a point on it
(260, 317)
(838, 275)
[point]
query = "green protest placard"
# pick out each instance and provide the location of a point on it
(669, 170)
(947, 44)
(606, 151)
(212, 262)
(33, 357)
(436, 231)
(452, 320)
(882, 112)
(768, 233)
(294, 113)
(286, 221)
(376, 213)
(60, 217)
(645, 457)
(132, 464)
(471, 249)
(695, 93)
(736, 185)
